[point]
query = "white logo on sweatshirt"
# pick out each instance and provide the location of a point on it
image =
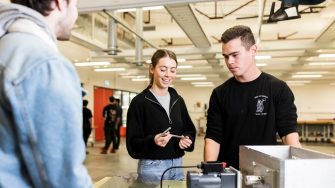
(261, 99)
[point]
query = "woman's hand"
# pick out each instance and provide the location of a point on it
(185, 142)
(162, 139)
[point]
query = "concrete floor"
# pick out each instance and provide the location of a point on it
(122, 165)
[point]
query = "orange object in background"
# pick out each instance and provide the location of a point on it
(123, 131)
(101, 96)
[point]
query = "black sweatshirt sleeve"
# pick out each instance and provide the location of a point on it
(137, 143)
(286, 112)
(189, 128)
(214, 119)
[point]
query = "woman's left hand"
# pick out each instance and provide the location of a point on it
(185, 142)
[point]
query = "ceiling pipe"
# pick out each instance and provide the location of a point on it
(112, 38)
(261, 8)
(138, 42)
(125, 25)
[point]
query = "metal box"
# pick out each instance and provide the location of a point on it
(286, 167)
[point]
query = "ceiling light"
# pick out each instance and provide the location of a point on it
(140, 79)
(184, 66)
(263, 57)
(153, 8)
(317, 72)
(194, 78)
(144, 8)
(85, 64)
(189, 75)
(327, 55)
(133, 76)
(306, 76)
(126, 10)
(298, 81)
(296, 84)
(181, 60)
(202, 83)
(261, 64)
(321, 63)
(109, 70)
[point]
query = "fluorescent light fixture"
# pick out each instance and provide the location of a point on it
(261, 64)
(181, 60)
(140, 79)
(153, 8)
(144, 8)
(296, 84)
(133, 76)
(316, 72)
(321, 63)
(109, 70)
(126, 10)
(184, 66)
(148, 61)
(202, 83)
(258, 57)
(85, 64)
(194, 78)
(327, 55)
(298, 81)
(189, 75)
(307, 76)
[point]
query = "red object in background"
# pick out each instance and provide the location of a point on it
(123, 131)
(101, 96)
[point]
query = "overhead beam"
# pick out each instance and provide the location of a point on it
(99, 5)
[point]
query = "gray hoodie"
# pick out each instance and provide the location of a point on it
(9, 13)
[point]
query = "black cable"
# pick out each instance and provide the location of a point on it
(172, 168)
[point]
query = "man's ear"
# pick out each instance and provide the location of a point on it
(253, 49)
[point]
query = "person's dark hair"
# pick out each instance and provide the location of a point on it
(41, 6)
(111, 99)
(159, 54)
(117, 100)
(85, 102)
(242, 31)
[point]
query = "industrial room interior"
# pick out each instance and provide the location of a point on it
(112, 43)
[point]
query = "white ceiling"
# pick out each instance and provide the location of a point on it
(192, 32)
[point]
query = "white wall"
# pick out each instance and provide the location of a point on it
(313, 102)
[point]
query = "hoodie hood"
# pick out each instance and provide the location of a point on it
(10, 13)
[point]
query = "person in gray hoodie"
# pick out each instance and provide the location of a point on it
(40, 98)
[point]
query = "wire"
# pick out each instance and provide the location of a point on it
(172, 168)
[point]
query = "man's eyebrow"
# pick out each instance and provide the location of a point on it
(232, 53)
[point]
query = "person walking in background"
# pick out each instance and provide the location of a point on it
(41, 142)
(119, 111)
(154, 110)
(249, 108)
(87, 122)
(112, 119)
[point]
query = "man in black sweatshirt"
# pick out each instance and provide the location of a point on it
(249, 108)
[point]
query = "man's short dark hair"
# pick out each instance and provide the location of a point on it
(41, 6)
(111, 99)
(85, 102)
(117, 100)
(244, 32)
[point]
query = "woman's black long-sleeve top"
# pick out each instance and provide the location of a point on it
(146, 117)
